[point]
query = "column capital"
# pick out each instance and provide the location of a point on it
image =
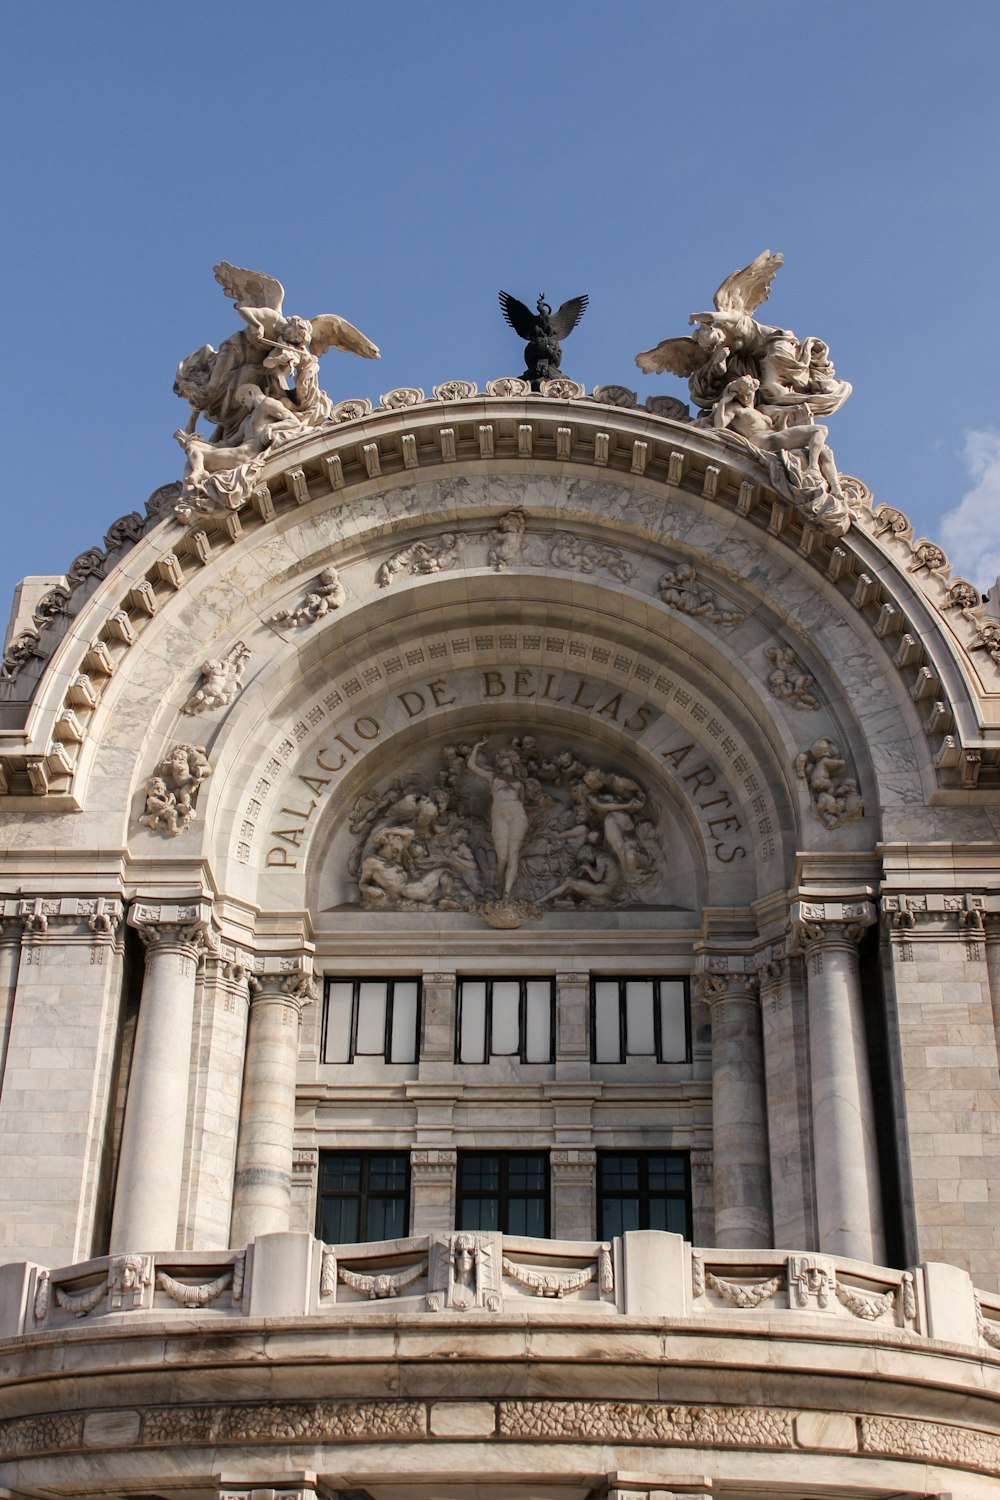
(179, 925)
(718, 983)
(817, 924)
(286, 978)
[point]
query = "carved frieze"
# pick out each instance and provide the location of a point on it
(505, 834)
(583, 556)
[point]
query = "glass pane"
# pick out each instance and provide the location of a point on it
(506, 1020)
(538, 1042)
(371, 1019)
(620, 1174)
(341, 1172)
(526, 1216)
(673, 1030)
(479, 1172)
(526, 1174)
(657, 1213)
(403, 1045)
(607, 1038)
(639, 1018)
(387, 1174)
(479, 1213)
(340, 1221)
(677, 1216)
(338, 1022)
(472, 1042)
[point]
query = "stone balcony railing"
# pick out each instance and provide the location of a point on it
(644, 1274)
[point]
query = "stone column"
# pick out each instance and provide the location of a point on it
(263, 1182)
(151, 1163)
(786, 1080)
(739, 1109)
(848, 1199)
(219, 1043)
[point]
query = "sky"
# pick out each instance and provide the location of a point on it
(399, 163)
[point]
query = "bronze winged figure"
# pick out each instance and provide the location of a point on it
(544, 331)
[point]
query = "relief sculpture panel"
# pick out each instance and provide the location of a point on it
(507, 827)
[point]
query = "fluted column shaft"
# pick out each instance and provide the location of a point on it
(848, 1197)
(263, 1181)
(739, 1112)
(151, 1164)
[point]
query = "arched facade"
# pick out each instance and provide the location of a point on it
(518, 809)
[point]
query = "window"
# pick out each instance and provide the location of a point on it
(505, 1190)
(640, 1018)
(505, 1018)
(363, 1195)
(643, 1190)
(371, 1018)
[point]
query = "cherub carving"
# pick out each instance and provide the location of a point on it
(789, 682)
(421, 557)
(327, 595)
(681, 588)
(506, 540)
(835, 801)
(222, 681)
(170, 793)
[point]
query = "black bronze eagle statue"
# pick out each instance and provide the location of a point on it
(543, 330)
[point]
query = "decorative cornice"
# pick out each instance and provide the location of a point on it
(606, 431)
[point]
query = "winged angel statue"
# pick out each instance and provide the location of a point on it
(260, 388)
(763, 388)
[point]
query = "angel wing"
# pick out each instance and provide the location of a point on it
(566, 318)
(521, 318)
(680, 356)
(251, 288)
(331, 332)
(746, 289)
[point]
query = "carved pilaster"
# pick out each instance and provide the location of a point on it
(573, 1178)
(914, 917)
(432, 1188)
(43, 921)
(263, 1181)
(730, 987)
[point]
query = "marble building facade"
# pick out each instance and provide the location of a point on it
(500, 968)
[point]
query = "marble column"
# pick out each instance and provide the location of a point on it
(739, 1111)
(263, 1183)
(848, 1197)
(151, 1163)
(10, 955)
(573, 1176)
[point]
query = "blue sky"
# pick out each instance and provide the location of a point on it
(398, 163)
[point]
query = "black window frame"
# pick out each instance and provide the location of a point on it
(366, 1157)
(503, 1194)
(356, 981)
(643, 1195)
(522, 981)
(624, 1055)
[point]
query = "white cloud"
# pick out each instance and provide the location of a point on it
(971, 532)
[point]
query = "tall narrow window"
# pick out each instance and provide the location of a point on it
(505, 1018)
(371, 1018)
(640, 1018)
(643, 1190)
(504, 1190)
(363, 1195)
